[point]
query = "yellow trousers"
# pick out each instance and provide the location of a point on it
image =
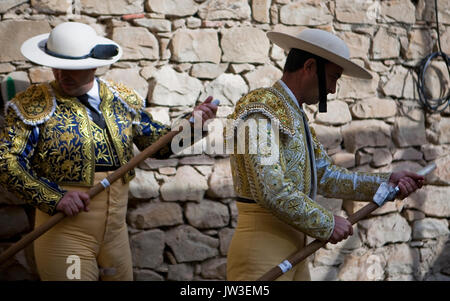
(92, 245)
(260, 242)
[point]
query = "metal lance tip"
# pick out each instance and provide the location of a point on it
(387, 193)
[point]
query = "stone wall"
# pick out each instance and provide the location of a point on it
(182, 213)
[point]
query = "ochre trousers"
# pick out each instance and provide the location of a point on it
(99, 238)
(260, 242)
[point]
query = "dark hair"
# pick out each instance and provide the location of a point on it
(297, 58)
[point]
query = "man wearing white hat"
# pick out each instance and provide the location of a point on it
(62, 138)
(276, 200)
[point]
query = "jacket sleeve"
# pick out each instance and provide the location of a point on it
(17, 144)
(337, 182)
(147, 131)
(273, 188)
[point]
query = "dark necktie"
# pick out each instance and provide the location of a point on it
(96, 117)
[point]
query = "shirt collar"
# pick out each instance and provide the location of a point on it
(93, 93)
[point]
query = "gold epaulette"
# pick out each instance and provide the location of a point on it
(130, 98)
(267, 102)
(35, 105)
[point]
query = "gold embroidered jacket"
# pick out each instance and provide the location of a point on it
(287, 186)
(50, 141)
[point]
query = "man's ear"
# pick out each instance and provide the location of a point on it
(310, 66)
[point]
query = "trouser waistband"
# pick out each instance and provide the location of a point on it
(100, 168)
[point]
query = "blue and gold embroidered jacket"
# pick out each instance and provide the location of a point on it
(50, 141)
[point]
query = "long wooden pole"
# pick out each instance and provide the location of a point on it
(117, 174)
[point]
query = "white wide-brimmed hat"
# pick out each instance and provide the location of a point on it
(323, 44)
(71, 46)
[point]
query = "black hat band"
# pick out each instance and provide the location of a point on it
(100, 51)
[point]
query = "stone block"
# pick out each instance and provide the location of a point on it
(349, 87)
(188, 244)
(40, 75)
(154, 25)
(384, 229)
(430, 228)
(144, 185)
(329, 136)
(143, 45)
(179, 8)
(400, 83)
(221, 181)
(264, 76)
(337, 114)
(229, 88)
(385, 45)
(309, 13)
(355, 11)
(381, 157)
(112, 7)
(358, 134)
(197, 45)
(343, 159)
(171, 88)
(368, 266)
(130, 78)
(147, 249)
(395, 11)
(159, 114)
(374, 108)
(215, 268)
(409, 153)
(420, 44)
(16, 32)
(225, 9)
(245, 45)
(147, 275)
(187, 184)
(155, 215)
(225, 236)
(208, 70)
(180, 272)
(260, 10)
(207, 214)
(401, 260)
(432, 200)
(358, 44)
(323, 273)
(5, 5)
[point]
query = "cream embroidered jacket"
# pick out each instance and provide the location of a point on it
(287, 186)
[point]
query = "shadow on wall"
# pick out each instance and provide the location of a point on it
(17, 219)
(440, 268)
(16, 214)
